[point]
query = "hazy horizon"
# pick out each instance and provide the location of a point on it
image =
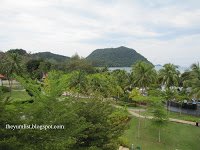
(162, 31)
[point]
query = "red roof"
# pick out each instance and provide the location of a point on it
(1, 76)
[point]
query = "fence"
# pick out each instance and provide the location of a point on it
(186, 108)
(15, 85)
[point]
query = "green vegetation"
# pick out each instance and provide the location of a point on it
(88, 123)
(50, 57)
(115, 57)
(174, 136)
(84, 99)
(18, 96)
(175, 115)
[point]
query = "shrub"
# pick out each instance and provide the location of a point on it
(123, 142)
(4, 89)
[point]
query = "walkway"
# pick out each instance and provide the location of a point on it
(133, 112)
(123, 148)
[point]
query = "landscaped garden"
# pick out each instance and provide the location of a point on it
(173, 136)
(95, 106)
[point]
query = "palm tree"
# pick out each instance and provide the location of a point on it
(195, 80)
(169, 77)
(99, 85)
(122, 78)
(143, 75)
(10, 65)
(78, 82)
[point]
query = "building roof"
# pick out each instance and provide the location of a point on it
(1, 76)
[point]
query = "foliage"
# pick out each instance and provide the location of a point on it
(105, 124)
(10, 64)
(32, 67)
(79, 64)
(55, 79)
(194, 80)
(88, 123)
(134, 93)
(17, 51)
(122, 78)
(160, 117)
(169, 75)
(114, 57)
(48, 56)
(31, 86)
(143, 75)
(174, 136)
(78, 82)
(5, 89)
(103, 85)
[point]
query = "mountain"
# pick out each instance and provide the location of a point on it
(115, 57)
(41, 55)
(50, 56)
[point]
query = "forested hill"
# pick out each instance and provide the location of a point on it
(50, 56)
(115, 57)
(111, 57)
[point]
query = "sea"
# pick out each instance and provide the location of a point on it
(157, 67)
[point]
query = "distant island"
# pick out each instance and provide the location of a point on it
(115, 57)
(110, 57)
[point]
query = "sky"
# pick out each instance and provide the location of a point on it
(164, 31)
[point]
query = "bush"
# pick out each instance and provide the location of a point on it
(4, 89)
(123, 142)
(128, 104)
(10, 144)
(125, 98)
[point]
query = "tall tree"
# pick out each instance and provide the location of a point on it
(122, 78)
(160, 117)
(10, 65)
(135, 95)
(143, 75)
(195, 80)
(100, 85)
(169, 77)
(78, 82)
(80, 64)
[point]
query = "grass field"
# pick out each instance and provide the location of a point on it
(17, 96)
(174, 136)
(176, 115)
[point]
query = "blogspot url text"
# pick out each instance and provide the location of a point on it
(34, 127)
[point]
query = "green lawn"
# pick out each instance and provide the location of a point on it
(17, 96)
(173, 136)
(176, 115)
(183, 116)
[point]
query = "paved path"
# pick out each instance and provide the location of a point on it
(123, 148)
(133, 112)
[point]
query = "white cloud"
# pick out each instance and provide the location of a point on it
(161, 30)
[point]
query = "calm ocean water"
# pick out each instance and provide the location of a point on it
(128, 69)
